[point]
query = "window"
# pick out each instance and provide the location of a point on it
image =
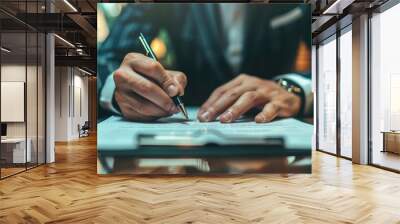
(385, 89)
(346, 92)
(334, 138)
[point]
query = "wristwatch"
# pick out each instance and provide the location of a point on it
(292, 87)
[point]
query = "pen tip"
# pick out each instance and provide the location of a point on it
(185, 113)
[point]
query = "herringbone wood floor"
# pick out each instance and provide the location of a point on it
(70, 191)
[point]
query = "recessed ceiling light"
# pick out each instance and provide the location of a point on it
(337, 7)
(5, 50)
(84, 71)
(65, 41)
(70, 5)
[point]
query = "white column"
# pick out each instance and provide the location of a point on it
(360, 90)
(50, 92)
(50, 99)
(313, 89)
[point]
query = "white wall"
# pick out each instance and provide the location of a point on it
(16, 73)
(33, 127)
(12, 73)
(71, 93)
(61, 104)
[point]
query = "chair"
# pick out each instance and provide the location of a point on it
(84, 130)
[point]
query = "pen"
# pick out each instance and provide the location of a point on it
(149, 52)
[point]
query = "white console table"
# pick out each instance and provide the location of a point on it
(16, 146)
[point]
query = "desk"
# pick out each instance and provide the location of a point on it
(391, 141)
(13, 150)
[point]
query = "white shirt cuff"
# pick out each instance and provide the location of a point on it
(107, 94)
(305, 85)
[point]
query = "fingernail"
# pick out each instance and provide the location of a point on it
(227, 116)
(205, 116)
(260, 118)
(172, 90)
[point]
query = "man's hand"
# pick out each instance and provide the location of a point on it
(245, 92)
(144, 88)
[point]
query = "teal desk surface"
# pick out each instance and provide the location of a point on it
(119, 137)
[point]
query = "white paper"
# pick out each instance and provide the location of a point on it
(115, 132)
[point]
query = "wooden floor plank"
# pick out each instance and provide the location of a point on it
(70, 191)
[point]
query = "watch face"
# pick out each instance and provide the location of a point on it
(289, 86)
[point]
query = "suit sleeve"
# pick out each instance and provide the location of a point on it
(122, 39)
(300, 26)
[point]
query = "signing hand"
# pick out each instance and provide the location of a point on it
(144, 88)
(245, 92)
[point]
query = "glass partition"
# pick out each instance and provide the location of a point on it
(327, 95)
(22, 90)
(14, 153)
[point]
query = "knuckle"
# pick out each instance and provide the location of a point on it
(145, 87)
(137, 105)
(127, 57)
(142, 109)
(117, 96)
(234, 94)
(180, 74)
(119, 76)
(251, 95)
(242, 75)
(257, 80)
(155, 66)
(218, 91)
(266, 91)
(147, 109)
(182, 77)
(126, 110)
(274, 106)
(234, 110)
(130, 56)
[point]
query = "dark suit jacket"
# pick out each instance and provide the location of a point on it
(198, 43)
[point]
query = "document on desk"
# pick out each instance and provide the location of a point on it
(115, 132)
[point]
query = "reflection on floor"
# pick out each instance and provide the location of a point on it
(386, 159)
(70, 191)
(11, 169)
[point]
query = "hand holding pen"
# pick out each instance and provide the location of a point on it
(144, 88)
(177, 100)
